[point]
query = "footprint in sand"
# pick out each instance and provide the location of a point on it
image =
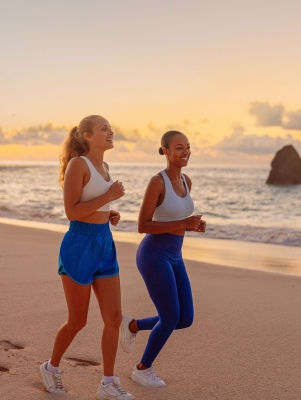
(10, 346)
(83, 363)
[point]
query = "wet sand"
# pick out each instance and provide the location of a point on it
(245, 342)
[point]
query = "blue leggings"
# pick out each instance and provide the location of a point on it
(159, 260)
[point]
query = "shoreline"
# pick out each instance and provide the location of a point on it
(265, 257)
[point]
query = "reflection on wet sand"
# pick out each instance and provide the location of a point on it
(231, 253)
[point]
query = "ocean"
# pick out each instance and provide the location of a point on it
(234, 200)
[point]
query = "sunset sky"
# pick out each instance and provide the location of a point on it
(226, 73)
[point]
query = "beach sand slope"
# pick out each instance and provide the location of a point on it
(245, 342)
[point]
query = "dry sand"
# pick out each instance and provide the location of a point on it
(245, 342)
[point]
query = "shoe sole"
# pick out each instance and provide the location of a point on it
(123, 334)
(137, 380)
(42, 378)
(110, 398)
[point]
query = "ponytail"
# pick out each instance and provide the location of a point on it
(75, 144)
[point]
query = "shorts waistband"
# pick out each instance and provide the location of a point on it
(86, 228)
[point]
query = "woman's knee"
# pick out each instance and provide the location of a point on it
(77, 324)
(113, 320)
(185, 322)
(170, 320)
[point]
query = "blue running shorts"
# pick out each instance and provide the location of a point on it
(88, 252)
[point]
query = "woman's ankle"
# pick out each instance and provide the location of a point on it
(133, 327)
(140, 367)
(52, 368)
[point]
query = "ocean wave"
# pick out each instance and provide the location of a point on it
(236, 203)
(283, 236)
(245, 233)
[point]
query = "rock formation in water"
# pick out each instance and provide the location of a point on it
(286, 167)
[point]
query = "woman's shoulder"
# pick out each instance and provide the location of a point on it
(157, 179)
(155, 186)
(156, 182)
(77, 163)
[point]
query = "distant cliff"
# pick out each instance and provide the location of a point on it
(286, 167)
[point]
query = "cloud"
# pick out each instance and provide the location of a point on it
(118, 135)
(123, 149)
(40, 135)
(133, 145)
(146, 142)
(2, 138)
(293, 120)
(237, 127)
(35, 135)
(267, 115)
(44, 134)
(255, 145)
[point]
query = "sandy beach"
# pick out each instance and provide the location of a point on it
(245, 342)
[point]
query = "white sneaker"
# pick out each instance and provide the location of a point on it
(52, 382)
(147, 377)
(112, 391)
(127, 338)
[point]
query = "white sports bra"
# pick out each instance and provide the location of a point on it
(96, 186)
(174, 207)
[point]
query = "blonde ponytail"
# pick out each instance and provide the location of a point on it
(75, 144)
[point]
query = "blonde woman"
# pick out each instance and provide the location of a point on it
(87, 257)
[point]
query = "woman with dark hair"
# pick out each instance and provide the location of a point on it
(164, 216)
(87, 257)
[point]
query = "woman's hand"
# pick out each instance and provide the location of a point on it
(192, 223)
(114, 217)
(201, 227)
(116, 190)
(196, 224)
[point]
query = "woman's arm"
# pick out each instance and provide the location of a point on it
(75, 178)
(150, 201)
(202, 225)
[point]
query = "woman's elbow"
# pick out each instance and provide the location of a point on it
(141, 227)
(70, 215)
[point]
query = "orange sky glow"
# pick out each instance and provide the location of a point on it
(225, 73)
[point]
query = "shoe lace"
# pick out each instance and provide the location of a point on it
(134, 336)
(119, 388)
(151, 373)
(58, 382)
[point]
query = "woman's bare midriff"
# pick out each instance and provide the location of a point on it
(178, 232)
(98, 217)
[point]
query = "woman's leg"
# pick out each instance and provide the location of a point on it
(78, 299)
(107, 292)
(145, 324)
(184, 295)
(160, 281)
(185, 303)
